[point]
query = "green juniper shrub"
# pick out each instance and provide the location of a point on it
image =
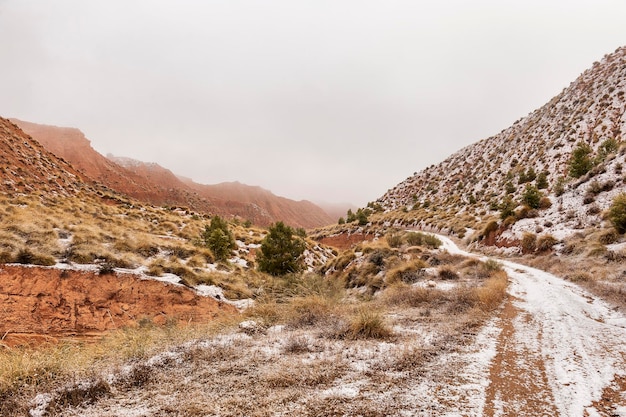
(580, 162)
(219, 238)
(281, 250)
(617, 213)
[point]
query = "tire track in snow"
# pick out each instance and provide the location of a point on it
(574, 336)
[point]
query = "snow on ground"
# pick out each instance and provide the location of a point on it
(581, 339)
(578, 339)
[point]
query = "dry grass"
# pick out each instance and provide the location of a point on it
(367, 324)
(324, 321)
(405, 295)
(25, 370)
(409, 272)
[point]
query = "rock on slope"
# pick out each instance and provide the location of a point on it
(474, 180)
(157, 185)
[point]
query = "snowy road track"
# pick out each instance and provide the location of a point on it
(562, 351)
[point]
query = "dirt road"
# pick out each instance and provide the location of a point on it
(561, 350)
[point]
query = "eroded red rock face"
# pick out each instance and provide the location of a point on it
(45, 302)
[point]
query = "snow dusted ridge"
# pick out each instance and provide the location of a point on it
(591, 110)
(579, 338)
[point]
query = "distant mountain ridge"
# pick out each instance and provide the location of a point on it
(474, 181)
(154, 184)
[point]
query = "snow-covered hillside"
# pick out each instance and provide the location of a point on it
(478, 178)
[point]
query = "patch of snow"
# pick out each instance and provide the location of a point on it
(439, 285)
(40, 405)
(165, 277)
(616, 247)
(350, 390)
(239, 262)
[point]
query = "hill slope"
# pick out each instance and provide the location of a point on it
(149, 182)
(474, 182)
(29, 168)
(259, 203)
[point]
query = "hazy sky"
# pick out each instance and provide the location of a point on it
(333, 100)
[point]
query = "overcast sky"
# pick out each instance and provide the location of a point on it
(334, 100)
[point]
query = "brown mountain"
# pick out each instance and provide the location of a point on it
(157, 185)
(261, 203)
(27, 167)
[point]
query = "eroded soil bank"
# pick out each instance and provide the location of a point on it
(39, 304)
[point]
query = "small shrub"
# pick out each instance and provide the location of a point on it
(580, 162)
(593, 209)
(491, 294)
(542, 180)
(309, 311)
(546, 242)
(378, 258)
(447, 273)
(297, 344)
(580, 276)
(394, 240)
(492, 265)
(27, 257)
(608, 237)
(106, 268)
(617, 213)
(529, 242)
(594, 188)
(368, 324)
(408, 273)
(531, 197)
(507, 208)
(219, 238)
(545, 203)
(490, 228)
(559, 187)
(588, 199)
(431, 241)
(411, 296)
(606, 148)
(281, 251)
(414, 239)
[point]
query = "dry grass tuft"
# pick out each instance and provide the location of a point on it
(367, 324)
(321, 372)
(447, 273)
(409, 273)
(404, 295)
(297, 344)
(491, 294)
(309, 311)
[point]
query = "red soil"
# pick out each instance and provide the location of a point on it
(39, 303)
(344, 241)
